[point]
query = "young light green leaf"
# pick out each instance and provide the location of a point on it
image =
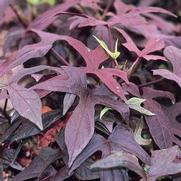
(135, 103)
(138, 134)
(104, 111)
(114, 55)
(36, 2)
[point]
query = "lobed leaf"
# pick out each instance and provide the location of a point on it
(135, 103)
(26, 102)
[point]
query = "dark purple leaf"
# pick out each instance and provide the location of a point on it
(149, 93)
(22, 128)
(146, 2)
(39, 164)
(9, 157)
(132, 89)
(84, 21)
(48, 173)
(164, 162)
(120, 140)
(94, 4)
(160, 126)
(61, 175)
(26, 102)
(85, 173)
(26, 129)
(118, 160)
(83, 116)
(114, 174)
(1, 172)
(80, 128)
(67, 102)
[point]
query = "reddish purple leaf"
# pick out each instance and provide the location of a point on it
(91, 4)
(121, 7)
(93, 59)
(173, 54)
(145, 10)
(165, 26)
(45, 19)
(83, 21)
(152, 45)
(75, 82)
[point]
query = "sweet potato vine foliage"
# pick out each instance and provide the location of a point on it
(90, 90)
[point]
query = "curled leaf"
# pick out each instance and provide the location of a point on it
(104, 111)
(135, 103)
(137, 134)
(114, 55)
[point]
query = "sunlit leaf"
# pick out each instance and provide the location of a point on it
(135, 103)
(114, 55)
(36, 2)
(104, 111)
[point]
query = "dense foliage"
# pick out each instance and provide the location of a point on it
(90, 90)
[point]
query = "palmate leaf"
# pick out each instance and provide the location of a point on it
(119, 160)
(120, 140)
(127, 16)
(163, 125)
(161, 128)
(74, 81)
(135, 103)
(93, 58)
(165, 162)
(26, 102)
(150, 93)
(39, 164)
(152, 45)
(173, 54)
(46, 18)
(85, 173)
